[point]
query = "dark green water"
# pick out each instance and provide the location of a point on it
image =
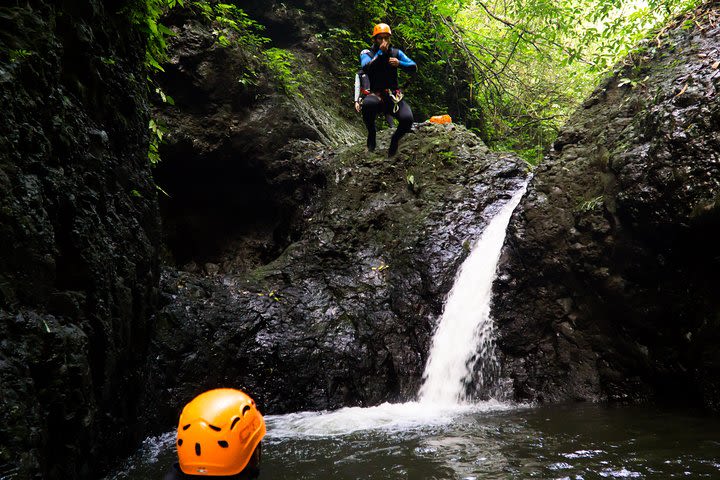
(415, 441)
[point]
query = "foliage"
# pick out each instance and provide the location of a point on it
(448, 157)
(18, 55)
(340, 48)
(157, 131)
(590, 205)
(231, 26)
(145, 15)
(513, 70)
(535, 60)
(421, 30)
(272, 294)
(282, 65)
(412, 183)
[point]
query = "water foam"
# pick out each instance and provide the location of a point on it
(391, 417)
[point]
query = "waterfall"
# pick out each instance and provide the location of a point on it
(464, 335)
(465, 332)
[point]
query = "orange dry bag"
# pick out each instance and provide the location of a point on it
(441, 119)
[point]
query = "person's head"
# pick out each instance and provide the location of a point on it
(381, 32)
(219, 433)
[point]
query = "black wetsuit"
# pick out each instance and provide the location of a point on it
(384, 77)
(176, 474)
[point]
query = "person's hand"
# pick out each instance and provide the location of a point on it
(385, 45)
(394, 62)
(357, 107)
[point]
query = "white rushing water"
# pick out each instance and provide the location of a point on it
(391, 417)
(465, 329)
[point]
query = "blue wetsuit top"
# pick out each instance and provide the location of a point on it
(406, 63)
(382, 76)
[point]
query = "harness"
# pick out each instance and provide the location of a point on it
(395, 95)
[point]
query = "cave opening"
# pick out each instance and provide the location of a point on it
(223, 213)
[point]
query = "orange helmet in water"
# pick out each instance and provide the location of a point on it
(219, 433)
(381, 28)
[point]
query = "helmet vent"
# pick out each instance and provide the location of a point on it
(234, 422)
(186, 426)
(223, 443)
(217, 429)
(245, 409)
(180, 442)
(197, 449)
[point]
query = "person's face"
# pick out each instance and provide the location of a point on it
(382, 37)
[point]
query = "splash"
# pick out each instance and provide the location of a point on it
(390, 417)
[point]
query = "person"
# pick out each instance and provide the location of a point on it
(219, 435)
(381, 63)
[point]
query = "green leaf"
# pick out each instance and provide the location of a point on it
(155, 64)
(159, 189)
(165, 30)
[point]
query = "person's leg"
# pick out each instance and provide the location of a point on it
(405, 120)
(371, 106)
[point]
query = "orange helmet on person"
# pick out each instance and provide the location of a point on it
(219, 433)
(381, 28)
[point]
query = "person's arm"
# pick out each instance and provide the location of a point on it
(357, 88)
(405, 62)
(370, 62)
(357, 93)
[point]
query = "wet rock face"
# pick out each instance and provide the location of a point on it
(78, 236)
(231, 203)
(607, 285)
(344, 315)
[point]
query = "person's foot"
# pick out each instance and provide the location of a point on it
(371, 142)
(393, 146)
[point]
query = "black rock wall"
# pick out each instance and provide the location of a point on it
(79, 235)
(607, 286)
